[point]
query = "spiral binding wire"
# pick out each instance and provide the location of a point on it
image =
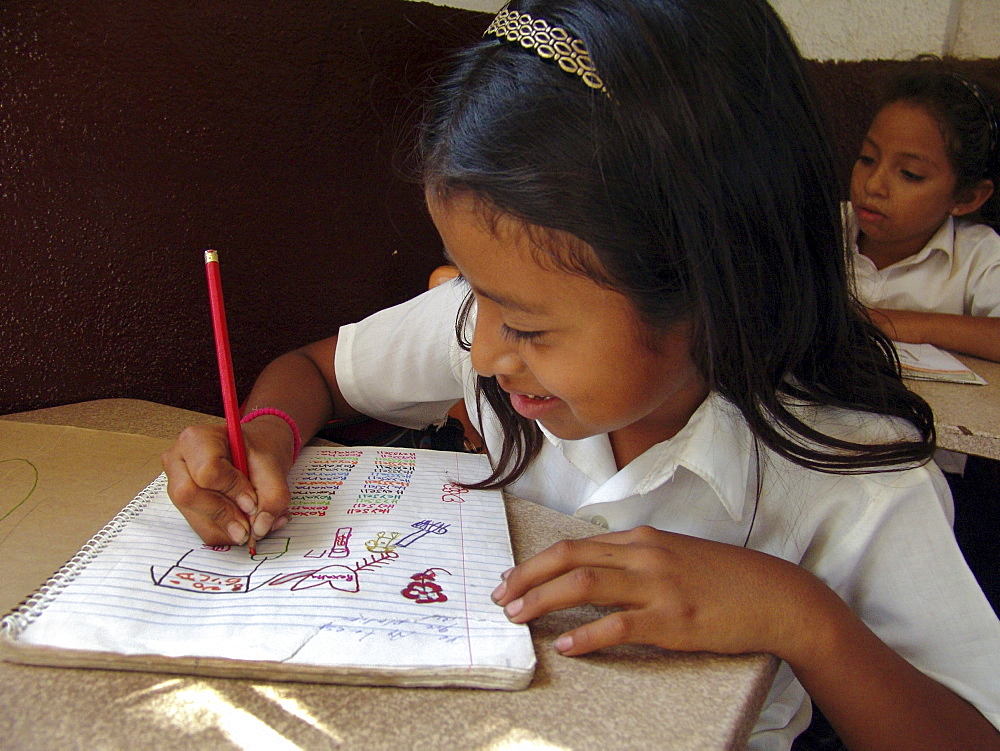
(18, 619)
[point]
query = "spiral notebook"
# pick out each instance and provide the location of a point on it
(382, 577)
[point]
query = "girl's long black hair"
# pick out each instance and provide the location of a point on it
(704, 184)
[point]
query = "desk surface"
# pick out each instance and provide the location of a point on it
(967, 416)
(626, 697)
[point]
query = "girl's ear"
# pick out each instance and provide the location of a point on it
(972, 198)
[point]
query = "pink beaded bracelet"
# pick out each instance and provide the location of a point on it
(284, 416)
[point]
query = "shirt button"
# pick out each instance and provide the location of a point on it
(599, 520)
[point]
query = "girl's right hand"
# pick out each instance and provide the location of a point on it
(673, 591)
(219, 502)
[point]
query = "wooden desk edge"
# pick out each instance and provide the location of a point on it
(967, 417)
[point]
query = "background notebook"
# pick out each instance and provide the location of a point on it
(925, 362)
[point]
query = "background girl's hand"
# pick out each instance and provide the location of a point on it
(899, 325)
(218, 501)
(978, 336)
(674, 591)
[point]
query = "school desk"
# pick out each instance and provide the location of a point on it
(626, 697)
(967, 416)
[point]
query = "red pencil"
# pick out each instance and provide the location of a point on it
(226, 377)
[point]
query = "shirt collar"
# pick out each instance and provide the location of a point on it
(715, 444)
(942, 241)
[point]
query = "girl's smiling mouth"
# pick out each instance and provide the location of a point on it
(533, 407)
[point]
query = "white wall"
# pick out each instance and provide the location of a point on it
(978, 29)
(873, 29)
(895, 29)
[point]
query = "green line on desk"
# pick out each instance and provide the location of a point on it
(33, 485)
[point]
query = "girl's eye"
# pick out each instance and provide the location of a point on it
(516, 335)
(866, 159)
(913, 177)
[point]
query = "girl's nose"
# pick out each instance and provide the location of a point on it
(877, 183)
(492, 353)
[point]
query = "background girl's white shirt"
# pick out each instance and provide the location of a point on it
(957, 272)
(883, 541)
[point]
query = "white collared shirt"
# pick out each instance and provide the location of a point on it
(957, 272)
(882, 541)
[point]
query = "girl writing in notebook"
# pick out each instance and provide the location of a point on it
(654, 331)
(925, 209)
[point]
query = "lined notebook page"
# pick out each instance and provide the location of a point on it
(386, 563)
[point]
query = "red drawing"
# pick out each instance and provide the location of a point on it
(423, 589)
(341, 546)
(193, 579)
(335, 576)
(452, 493)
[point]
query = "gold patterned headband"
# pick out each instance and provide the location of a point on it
(549, 43)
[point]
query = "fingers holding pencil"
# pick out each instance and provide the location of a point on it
(215, 498)
(268, 466)
(223, 505)
(226, 498)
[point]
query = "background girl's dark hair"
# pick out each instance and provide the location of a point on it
(967, 112)
(704, 185)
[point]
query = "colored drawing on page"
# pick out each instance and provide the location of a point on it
(341, 546)
(203, 580)
(382, 542)
(192, 579)
(423, 588)
(336, 576)
(271, 547)
(423, 527)
(390, 476)
(452, 493)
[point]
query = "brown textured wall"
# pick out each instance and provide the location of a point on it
(135, 135)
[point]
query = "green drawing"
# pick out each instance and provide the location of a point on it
(34, 485)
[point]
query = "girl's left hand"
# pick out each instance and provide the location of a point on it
(674, 591)
(978, 336)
